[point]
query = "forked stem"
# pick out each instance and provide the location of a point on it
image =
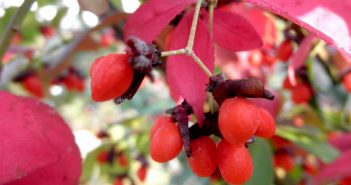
(188, 50)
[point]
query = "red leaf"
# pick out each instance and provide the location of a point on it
(39, 147)
(338, 169)
(183, 73)
(342, 142)
(299, 58)
(263, 24)
(328, 20)
(149, 20)
(233, 32)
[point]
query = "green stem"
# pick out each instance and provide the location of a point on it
(193, 26)
(13, 26)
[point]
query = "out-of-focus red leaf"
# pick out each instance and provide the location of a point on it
(183, 74)
(338, 169)
(263, 24)
(328, 20)
(299, 58)
(233, 32)
(37, 147)
(272, 106)
(148, 21)
(341, 142)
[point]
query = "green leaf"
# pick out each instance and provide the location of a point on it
(90, 162)
(261, 154)
(309, 143)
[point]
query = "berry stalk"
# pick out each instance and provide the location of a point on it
(13, 26)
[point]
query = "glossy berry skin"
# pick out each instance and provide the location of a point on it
(166, 143)
(285, 50)
(301, 93)
(265, 122)
(347, 82)
(34, 86)
(111, 76)
(141, 173)
(159, 123)
(203, 159)
(234, 163)
(237, 120)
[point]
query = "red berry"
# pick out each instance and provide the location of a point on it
(284, 160)
(122, 160)
(141, 173)
(47, 31)
(118, 181)
(301, 93)
(166, 143)
(237, 120)
(285, 50)
(102, 157)
(287, 84)
(159, 123)
(266, 123)
(111, 76)
(203, 160)
(279, 142)
(235, 163)
(347, 82)
(34, 85)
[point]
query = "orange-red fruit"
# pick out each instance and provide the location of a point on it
(111, 76)
(102, 157)
(301, 93)
(203, 160)
(118, 181)
(123, 160)
(279, 142)
(166, 143)
(284, 160)
(73, 82)
(159, 123)
(34, 86)
(237, 120)
(265, 122)
(287, 84)
(285, 50)
(141, 173)
(235, 163)
(347, 82)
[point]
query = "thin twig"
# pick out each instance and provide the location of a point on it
(173, 52)
(189, 48)
(193, 26)
(200, 63)
(13, 26)
(210, 15)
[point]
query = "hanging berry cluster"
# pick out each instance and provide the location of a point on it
(236, 123)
